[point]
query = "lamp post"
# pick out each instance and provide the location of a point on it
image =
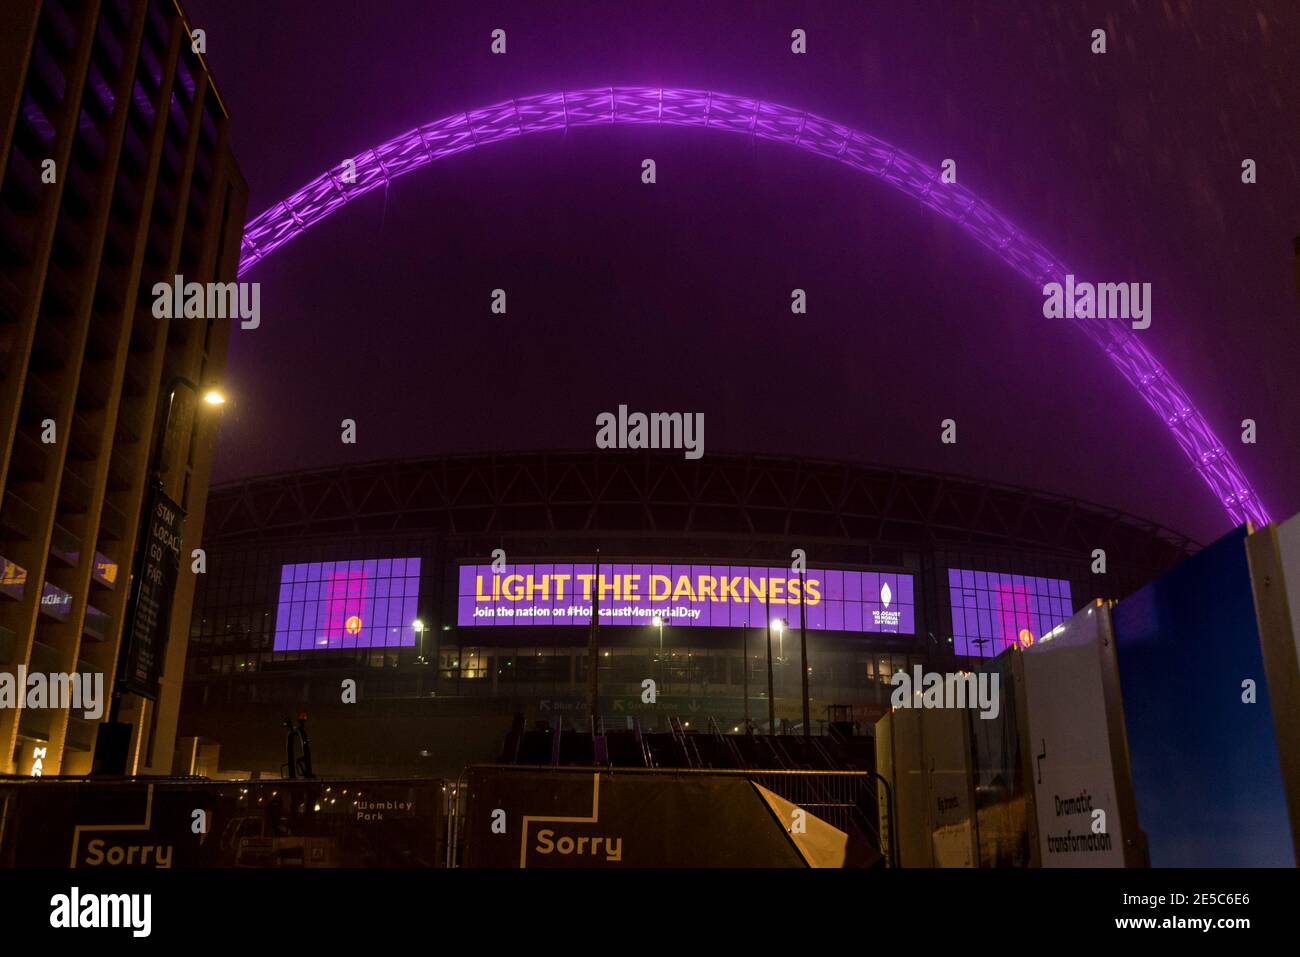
(777, 625)
(418, 627)
(744, 661)
(114, 739)
(771, 694)
(803, 655)
(212, 397)
(659, 623)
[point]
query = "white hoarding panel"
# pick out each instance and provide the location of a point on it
(947, 755)
(1072, 771)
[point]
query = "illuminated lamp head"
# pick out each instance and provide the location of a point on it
(1026, 637)
(353, 625)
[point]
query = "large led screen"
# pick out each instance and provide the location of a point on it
(716, 596)
(992, 611)
(369, 603)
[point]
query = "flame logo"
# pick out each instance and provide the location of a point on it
(885, 594)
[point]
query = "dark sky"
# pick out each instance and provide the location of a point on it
(675, 297)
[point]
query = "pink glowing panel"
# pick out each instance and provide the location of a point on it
(783, 124)
(992, 611)
(369, 603)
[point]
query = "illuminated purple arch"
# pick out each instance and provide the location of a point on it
(782, 124)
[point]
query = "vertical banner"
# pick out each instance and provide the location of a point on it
(149, 617)
(1083, 806)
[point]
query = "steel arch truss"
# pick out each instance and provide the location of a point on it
(646, 495)
(782, 124)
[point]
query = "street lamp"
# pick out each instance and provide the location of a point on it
(212, 396)
(658, 622)
(776, 625)
(114, 737)
(418, 627)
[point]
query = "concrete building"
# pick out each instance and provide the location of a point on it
(115, 174)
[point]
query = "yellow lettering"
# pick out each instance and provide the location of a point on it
(776, 585)
(95, 853)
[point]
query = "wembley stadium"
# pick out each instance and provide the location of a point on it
(454, 594)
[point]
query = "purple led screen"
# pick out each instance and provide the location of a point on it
(701, 596)
(369, 603)
(992, 611)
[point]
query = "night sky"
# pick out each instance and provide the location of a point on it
(675, 296)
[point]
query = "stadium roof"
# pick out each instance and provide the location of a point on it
(602, 492)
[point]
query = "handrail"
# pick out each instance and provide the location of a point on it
(647, 756)
(453, 820)
(821, 750)
(776, 755)
(687, 745)
(730, 745)
(599, 744)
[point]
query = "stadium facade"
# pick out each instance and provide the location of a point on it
(317, 580)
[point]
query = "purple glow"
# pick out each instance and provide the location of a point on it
(768, 121)
(682, 594)
(356, 604)
(991, 611)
